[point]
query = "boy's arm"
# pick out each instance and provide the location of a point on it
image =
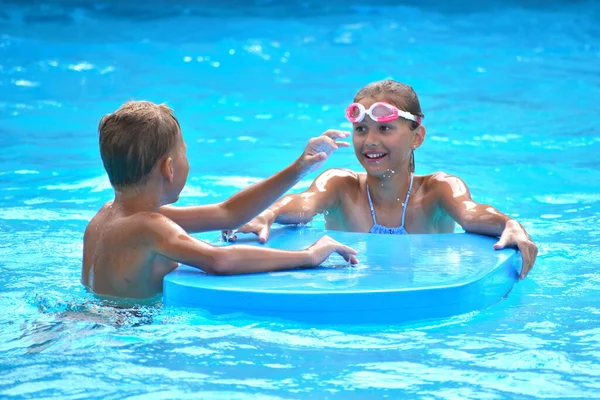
(484, 219)
(243, 206)
(171, 241)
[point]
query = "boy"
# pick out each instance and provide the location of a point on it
(134, 241)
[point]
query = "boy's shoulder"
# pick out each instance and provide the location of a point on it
(139, 225)
(98, 220)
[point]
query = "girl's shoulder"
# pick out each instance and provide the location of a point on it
(433, 178)
(441, 181)
(338, 178)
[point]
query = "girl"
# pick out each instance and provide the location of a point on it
(388, 198)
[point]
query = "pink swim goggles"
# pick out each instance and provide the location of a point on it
(379, 112)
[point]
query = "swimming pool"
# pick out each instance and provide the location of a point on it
(510, 95)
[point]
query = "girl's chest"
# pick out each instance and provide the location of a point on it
(354, 214)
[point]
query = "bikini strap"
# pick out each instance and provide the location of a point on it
(405, 205)
(371, 205)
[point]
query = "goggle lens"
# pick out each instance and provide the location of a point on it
(382, 113)
(353, 112)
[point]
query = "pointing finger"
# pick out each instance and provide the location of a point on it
(527, 263)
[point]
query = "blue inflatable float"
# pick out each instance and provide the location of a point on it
(399, 278)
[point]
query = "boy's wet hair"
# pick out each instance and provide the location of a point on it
(134, 138)
(398, 94)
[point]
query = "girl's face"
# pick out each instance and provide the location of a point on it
(384, 148)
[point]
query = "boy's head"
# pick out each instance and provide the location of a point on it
(134, 138)
(395, 93)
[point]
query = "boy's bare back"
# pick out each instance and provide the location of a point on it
(118, 256)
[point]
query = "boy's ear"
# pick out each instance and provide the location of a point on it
(419, 136)
(166, 169)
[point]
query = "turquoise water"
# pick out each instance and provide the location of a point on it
(510, 92)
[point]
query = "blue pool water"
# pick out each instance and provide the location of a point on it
(510, 91)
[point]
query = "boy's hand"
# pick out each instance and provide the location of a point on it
(323, 248)
(514, 235)
(260, 225)
(319, 148)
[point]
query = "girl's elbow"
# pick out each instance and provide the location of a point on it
(298, 217)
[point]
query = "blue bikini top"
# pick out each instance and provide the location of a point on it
(399, 230)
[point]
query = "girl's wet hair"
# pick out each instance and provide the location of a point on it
(400, 95)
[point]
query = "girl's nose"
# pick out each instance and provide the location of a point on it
(371, 140)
